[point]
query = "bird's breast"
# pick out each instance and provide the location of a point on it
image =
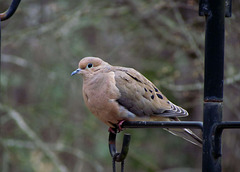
(100, 94)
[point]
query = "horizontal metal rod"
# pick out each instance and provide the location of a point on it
(228, 125)
(163, 124)
(217, 132)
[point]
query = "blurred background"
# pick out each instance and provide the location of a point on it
(45, 126)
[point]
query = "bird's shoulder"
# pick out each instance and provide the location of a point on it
(138, 94)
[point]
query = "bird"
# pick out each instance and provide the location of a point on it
(116, 94)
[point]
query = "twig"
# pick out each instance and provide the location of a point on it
(149, 22)
(54, 147)
(186, 87)
(44, 28)
(33, 136)
(6, 58)
(199, 85)
(232, 106)
(186, 32)
(233, 79)
(5, 161)
(182, 170)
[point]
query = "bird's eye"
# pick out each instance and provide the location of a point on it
(89, 65)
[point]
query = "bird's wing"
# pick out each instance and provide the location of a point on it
(142, 97)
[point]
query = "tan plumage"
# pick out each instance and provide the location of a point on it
(114, 93)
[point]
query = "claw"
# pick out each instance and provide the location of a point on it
(120, 125)
(112, 130)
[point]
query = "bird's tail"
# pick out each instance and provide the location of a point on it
(186, 134)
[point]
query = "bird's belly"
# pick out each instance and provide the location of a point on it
(104, 108)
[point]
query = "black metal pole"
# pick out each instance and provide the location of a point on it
(213, 83)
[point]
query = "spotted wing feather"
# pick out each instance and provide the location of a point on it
(141, 97)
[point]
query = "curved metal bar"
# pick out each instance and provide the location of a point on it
(10, 11)
(217, 133)
(119, 157)
(112, 143)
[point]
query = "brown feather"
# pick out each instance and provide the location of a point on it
(114, 93)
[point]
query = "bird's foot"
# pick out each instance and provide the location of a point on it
(118, 127)
(112, 130)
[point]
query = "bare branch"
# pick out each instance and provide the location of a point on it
(23, 144)
(33, 136)
(6, 58)
(198, 86)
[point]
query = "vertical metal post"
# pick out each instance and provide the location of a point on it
(213, 83)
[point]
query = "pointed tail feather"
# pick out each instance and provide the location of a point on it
(186, 134)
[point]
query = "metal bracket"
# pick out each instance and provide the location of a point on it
(119, 157)
(204, 9)
(217, 135)
(144, 124)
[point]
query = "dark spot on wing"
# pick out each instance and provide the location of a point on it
(152, 97)
(168, 102)
(150, 91)
(145, 89)
(160, 96)
(130, 104)
(155, 89)
(134, 77)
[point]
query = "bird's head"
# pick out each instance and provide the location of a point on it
(89, 65)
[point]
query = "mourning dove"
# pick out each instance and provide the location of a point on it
(115, 94)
